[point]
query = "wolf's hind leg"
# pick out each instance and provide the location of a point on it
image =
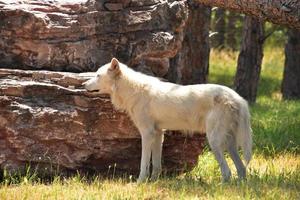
(215, 140)
(233, 152)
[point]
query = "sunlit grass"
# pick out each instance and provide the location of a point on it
(222, 67)
(278, 177)
(273, 173)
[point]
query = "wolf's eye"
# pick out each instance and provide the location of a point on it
(98, 75)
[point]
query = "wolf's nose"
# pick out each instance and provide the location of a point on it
(84, 83)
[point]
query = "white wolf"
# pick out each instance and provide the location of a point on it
(154, 105)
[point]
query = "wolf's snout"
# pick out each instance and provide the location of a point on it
(89, 86)
(84, 84)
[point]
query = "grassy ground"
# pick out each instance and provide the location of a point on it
(274, 172)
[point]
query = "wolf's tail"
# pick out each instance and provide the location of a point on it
(244, 136)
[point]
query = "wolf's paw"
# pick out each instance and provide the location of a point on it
(155, 175)
(142, 180)
(226, 177)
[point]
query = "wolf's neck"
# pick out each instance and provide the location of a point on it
(125, 93)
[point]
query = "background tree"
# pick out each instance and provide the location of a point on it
(190, 65)
(219, 28)
(291, 77)
(226, 27)
(232, 31)
(250, 59)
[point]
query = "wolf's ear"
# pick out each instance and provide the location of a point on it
(114, 65)
(114, 68)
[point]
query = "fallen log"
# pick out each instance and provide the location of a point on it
(48, 121)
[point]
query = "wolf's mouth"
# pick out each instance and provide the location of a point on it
(93, 90)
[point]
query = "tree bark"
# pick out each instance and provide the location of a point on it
(250, 59)
(190, 65)
(291, 77)
(285, 12)
(219, 27)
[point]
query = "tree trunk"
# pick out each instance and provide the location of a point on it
(291, 77)
(284, 12)
(219, 27)
(190, 65)
(250, 59)
(231, 41)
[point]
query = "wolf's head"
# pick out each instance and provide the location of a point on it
(104, 78)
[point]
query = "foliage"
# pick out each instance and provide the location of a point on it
(277, 33)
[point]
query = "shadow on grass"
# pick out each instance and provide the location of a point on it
(31, 174)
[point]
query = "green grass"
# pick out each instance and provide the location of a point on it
(273, 173)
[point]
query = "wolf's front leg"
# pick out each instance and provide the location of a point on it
(156, 150)
(147, 140)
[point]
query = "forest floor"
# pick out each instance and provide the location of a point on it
(273, 173)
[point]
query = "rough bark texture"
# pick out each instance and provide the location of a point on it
(47, 121)
(218, 40)
(291, 76)
(190, 65)
(250, 59)
(284, 12)
(81, 35)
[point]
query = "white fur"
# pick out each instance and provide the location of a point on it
(154, 105)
